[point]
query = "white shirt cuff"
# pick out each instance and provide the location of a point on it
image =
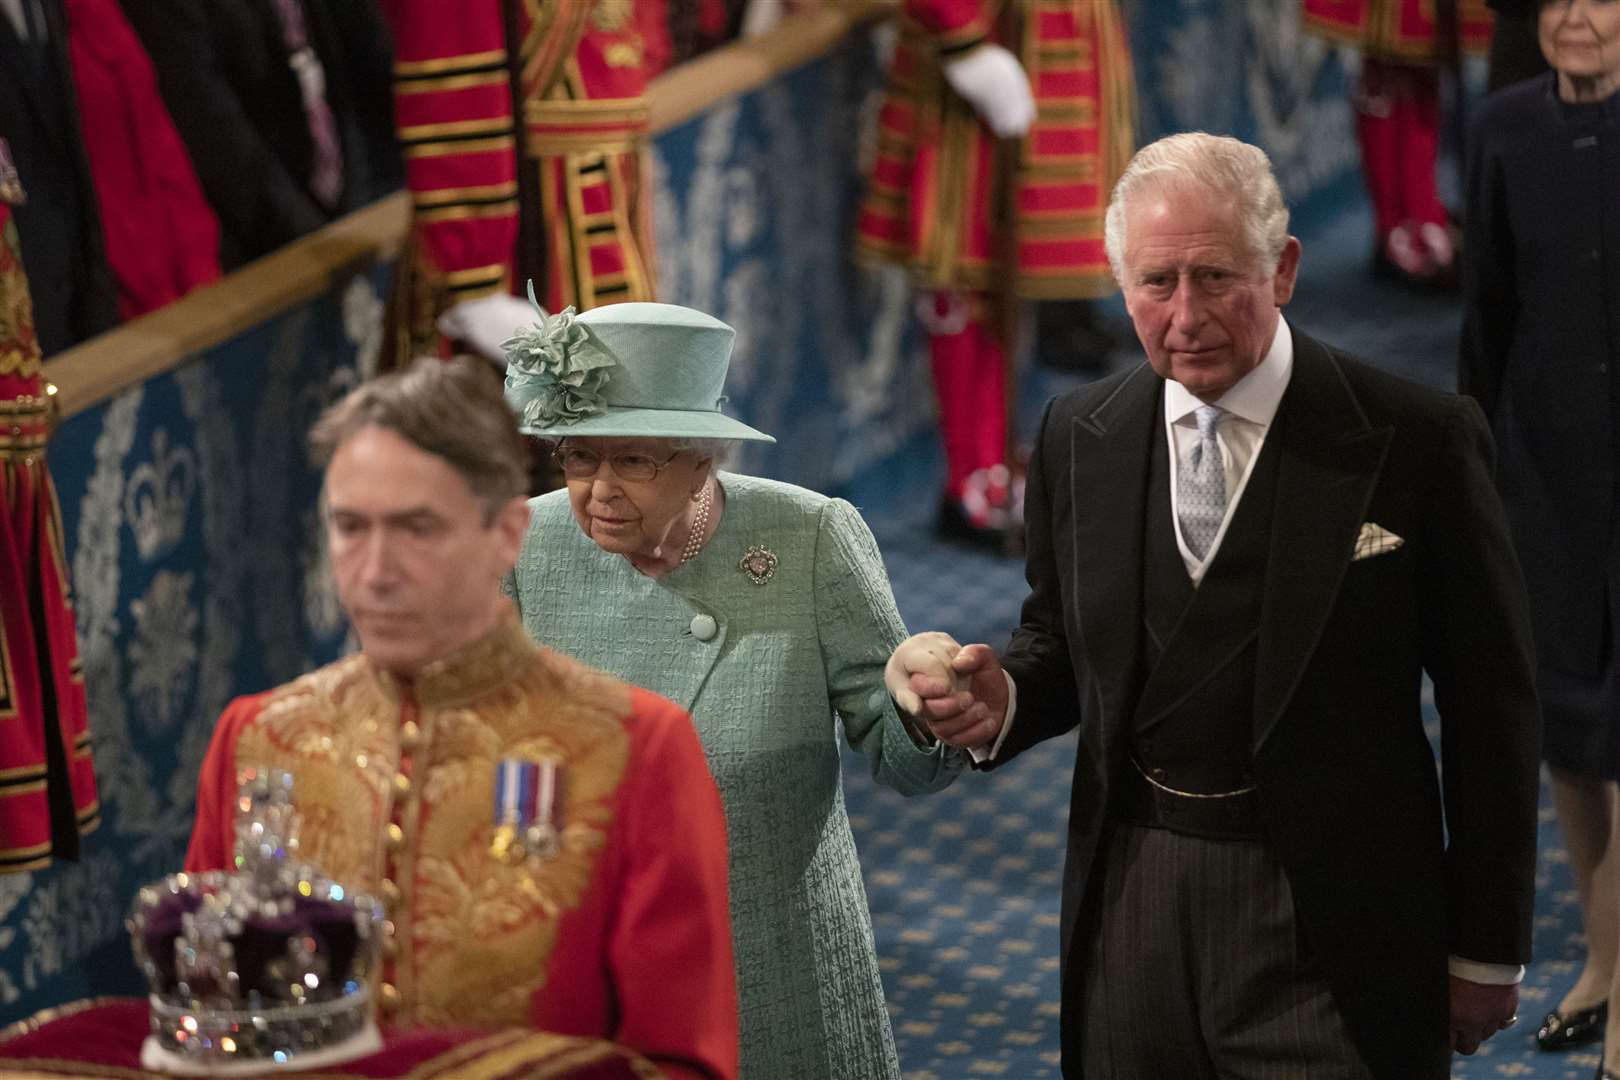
(1486, 974)
(980, 754)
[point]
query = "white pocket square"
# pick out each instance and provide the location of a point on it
(1374, 540)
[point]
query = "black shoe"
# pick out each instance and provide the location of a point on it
(1578, 1028)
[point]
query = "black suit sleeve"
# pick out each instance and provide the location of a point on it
(1490, 295)
(1477, 649)
(1038, 658)
(356, 49)
(260, 204)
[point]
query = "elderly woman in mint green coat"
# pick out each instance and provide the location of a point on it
(760, 607)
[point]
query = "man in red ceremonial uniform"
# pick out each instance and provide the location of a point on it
(1404, 44)
(47, 787)
(523, 123)
(547, 840)
(978, 220)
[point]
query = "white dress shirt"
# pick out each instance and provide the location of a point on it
(1251, 406)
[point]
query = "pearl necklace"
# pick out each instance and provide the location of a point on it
(700, 522)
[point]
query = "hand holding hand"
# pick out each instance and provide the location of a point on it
(1480, 1010)
(993, 81)
(959, 692)
(928, 654)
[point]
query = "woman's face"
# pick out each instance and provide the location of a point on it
(1581, 38)
(632, 517)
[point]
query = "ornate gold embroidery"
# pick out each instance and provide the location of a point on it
(476, 935)
(483, 930)
(19, 347)
(337, 733)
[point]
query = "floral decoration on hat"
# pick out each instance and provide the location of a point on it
(552, 370)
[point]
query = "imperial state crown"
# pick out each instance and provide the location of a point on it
(265, 968)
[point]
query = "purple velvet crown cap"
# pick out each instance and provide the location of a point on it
(329, 924)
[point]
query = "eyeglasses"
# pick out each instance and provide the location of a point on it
(579, 463)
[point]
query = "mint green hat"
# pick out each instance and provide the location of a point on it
(630, 370)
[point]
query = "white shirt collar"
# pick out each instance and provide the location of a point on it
(1254, 397)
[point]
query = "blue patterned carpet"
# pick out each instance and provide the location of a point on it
(964, 884)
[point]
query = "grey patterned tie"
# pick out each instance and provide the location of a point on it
(1201, 484)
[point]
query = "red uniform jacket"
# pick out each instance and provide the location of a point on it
(44, 740)
(963, 210)
(1405, 30)
(623, 933)
(523, 125)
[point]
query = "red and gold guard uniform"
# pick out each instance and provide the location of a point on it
(623, 933)
(977, 220)
(47, 787)
(523, 123)
(1404, 44)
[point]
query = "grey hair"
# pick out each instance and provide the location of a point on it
(1217, 164)
(716, 450)
(451, 409)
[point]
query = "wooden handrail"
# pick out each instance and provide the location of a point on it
(146, 347)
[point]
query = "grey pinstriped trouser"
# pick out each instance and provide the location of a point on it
(1196, 972)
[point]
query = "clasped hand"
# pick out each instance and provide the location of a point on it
(958, 692)
(1480, 1010)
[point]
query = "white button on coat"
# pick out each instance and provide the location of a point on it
(704, 627)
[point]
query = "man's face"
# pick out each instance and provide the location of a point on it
(1581, 38)
(418, 563)
(1203, 310)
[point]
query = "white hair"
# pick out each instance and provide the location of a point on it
(716, 450)
(1215, 164)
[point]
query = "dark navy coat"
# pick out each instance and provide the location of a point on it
(1540, 349)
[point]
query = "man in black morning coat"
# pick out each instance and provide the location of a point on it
(1242, 555)
(59, 225)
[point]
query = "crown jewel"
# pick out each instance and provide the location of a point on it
(265, 967)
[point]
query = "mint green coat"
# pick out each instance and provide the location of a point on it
(763, 689)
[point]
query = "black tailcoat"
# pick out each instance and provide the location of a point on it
(224, 72)
(1391, 870)
(59, 226)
